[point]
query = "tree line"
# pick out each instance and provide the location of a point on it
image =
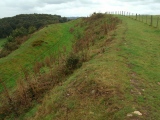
(7, 25)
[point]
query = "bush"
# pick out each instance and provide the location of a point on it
(72, 62)
(95, 16)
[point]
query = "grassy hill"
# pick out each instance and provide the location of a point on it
(17, 29)
(47, 41)
(120, 74)
(113, 84)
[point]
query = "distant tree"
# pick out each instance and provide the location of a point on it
(19, 32)
(10, 38)
(17, 28)
(8, 25)
(31, 29)
(63, 19)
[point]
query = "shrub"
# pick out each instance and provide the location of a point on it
(95, 16)
(71, 30)
(72, 62)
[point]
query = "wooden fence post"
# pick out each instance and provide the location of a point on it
(151, 20)
(136, 16)
(132, 16)
(157, 21)
(142, 18)
(146, 19)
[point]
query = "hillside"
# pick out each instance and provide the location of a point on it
(113, 84)
(27, 55)
(18, 29)
(112, 73)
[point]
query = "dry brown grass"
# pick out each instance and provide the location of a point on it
(21, 92)
(37, 67)
(48, 61)
(20, 40)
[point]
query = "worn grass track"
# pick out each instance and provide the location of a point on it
(141, 52)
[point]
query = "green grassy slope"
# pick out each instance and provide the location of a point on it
(118, 81)
(54, 37)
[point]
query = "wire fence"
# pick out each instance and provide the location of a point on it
(151, 20)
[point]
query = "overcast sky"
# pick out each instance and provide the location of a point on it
(70, 8)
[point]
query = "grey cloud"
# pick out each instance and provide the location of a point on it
(156, 1)
(139, 2)
(20, 4)
(89, 2)
(55, 1)
(76, 7)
